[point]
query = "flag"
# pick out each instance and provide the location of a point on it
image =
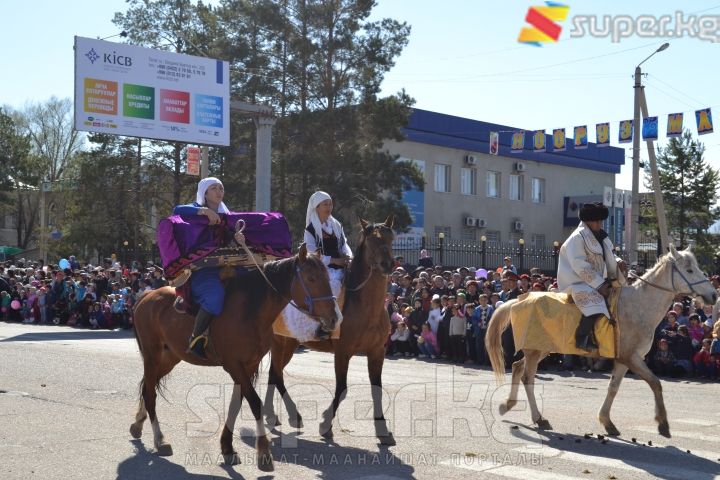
(559, 140)
(494, 143)
(581, 139)
(539, 141)
(602, 134)
(704, 121)
(650, 128)
(518, 142)
(674, 125)
(626, 131)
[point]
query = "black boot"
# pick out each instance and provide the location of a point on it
(584, 334)
(199, 338)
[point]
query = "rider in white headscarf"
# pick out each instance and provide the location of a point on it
(323, 235)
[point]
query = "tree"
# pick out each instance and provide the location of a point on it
(690, 189)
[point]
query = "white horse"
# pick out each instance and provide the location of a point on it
(641, 307)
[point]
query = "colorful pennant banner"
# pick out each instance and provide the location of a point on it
(581, 138)
(704, 121)
(559, 140)
(602, 134)
(494, 143)
(625, 135)
(674, 125)
(539, 141)
(650, 128)
(518, 142)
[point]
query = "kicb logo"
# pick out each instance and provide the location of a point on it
(109, 58)
(543, 21)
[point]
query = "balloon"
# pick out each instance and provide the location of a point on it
(63, 263)
(482, 273)
(15, 305)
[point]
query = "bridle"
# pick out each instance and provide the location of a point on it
(309, 299)
(674, 290)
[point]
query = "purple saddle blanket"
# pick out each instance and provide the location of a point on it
(183, 240)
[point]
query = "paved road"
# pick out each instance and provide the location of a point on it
(69, 396)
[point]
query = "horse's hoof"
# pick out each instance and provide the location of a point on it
(612, 430)
(231, 458)
(165, 450)
(326, 432)
(265, 463)
(543, 424)
(296, 422)
(135, 431)
(272, 421)
(664, 430)
(387, 440)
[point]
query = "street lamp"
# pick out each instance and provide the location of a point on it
(483, 239)
(441, 237)
(125, 247)
(522, 253)
(635, 207)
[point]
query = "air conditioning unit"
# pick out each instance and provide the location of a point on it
(470, 221)
(481, 223)
(518, 226)
(520, 167)
(470, 159)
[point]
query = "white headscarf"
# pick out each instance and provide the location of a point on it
(204, 184)
(311, 217)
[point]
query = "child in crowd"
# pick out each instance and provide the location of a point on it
(456, 332)
(435, 316)
(427, 342)
(663, 363)
(695, 330)
(704, 362)
(401, 340)
(481, 318)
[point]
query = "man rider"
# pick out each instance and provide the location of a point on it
(586, 267)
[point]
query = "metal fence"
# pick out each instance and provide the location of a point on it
(453, 254)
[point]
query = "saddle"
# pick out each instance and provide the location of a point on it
(226, 258)
(547, 321)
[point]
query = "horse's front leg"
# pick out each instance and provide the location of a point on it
(619, 371)
(375, 366)
(638, 366)
(229, 454)
(342, 361)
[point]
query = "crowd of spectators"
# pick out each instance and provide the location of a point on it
(444, 314)
(78, 295)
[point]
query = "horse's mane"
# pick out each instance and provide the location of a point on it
(357, 269)
(256, 287)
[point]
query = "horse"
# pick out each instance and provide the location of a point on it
(364, 328)
(641, 307)
(239, 338)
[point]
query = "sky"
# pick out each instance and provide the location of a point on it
(463, 59)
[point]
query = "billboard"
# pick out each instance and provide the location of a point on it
(127, 90)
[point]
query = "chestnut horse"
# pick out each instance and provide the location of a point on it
(364, 329)
(239, 338)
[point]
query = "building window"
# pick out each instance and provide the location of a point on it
(493, 184)
(538, 240)
(442, 178)
(516, 187)
(469, 234)
(468, 181)
(445, 230)
(492, 236)
(538, 190)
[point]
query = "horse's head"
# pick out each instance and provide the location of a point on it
(310, 292)
(377, 239)
(687, 278)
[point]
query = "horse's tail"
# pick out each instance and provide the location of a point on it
(493, 339)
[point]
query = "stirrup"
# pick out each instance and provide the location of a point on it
(198, 345)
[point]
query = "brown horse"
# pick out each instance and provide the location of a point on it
(364, 329)
(239, 339)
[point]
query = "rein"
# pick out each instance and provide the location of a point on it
(675, 269)
(309, 299)
(364, 282)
